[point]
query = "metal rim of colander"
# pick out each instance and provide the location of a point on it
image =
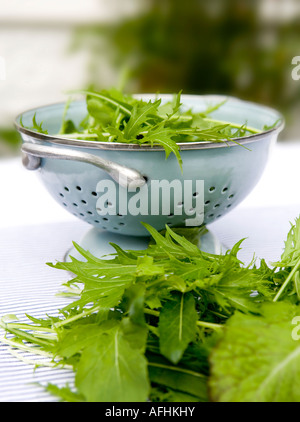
(136, 147)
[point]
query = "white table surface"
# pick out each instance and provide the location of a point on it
(34, 230)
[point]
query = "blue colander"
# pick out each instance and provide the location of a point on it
(217, 175)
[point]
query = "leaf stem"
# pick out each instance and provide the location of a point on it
(25, 335)
(151, 312)
(204, 324)
(282, 288)
(30, 349)
(176, 369)
(39, 363)
(76, 317)
(27, 327)
(233, 125)
(211, 325)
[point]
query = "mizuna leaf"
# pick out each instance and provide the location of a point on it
(64, 393)
(139, 116)
(257, 359)
(112, 371)
(80, 337)
(178, 378)
(165, 312)
(177, 326)
(163, 136)
(105, 97)
(291, 251)
(99, 111)
(115, 117)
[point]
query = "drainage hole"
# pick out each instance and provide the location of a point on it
(211, 215)
(105, 219)
(207, 202)
(89, 212)
(228, 206)
(212, 189)
(231, 196)
(78, 187)
(65, 204)
(75, 205)
(94, 193)
(96, 221)
(83, 201)
(195, 194)
(224, 190)
(62, 195)
(82, 215)
(121, 224)
(217, 205)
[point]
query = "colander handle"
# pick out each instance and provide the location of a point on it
(124, 176)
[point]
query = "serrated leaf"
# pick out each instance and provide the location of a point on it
(257, 359)
(161, 135)
(139, 116)
(64, 393)
(291, 251)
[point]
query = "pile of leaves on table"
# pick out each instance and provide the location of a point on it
(172, 323)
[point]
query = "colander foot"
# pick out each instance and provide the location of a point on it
(97, 242)
(211, 244)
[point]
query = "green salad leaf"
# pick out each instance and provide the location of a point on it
(171, 323)
(291, 259)
(111, 369)
(257, 359)
(116, 117)
(177, 326)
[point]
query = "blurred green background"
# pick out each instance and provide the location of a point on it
(233, 47)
